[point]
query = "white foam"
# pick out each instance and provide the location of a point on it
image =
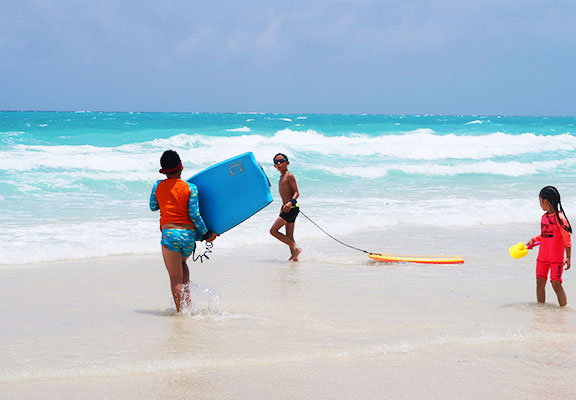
(22, 158)
(35, 243)
(12, 133)
(507, 168)
(199, 151)
(38, 243)
(113, 368)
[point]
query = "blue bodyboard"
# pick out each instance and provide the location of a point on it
(231, 192)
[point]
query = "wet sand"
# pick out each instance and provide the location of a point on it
(334, 325)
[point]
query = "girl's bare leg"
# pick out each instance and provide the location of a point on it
(560, 293)
(541, 290)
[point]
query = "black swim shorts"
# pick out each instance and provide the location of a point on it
(291, 215)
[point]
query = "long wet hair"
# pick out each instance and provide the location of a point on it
(551, 194)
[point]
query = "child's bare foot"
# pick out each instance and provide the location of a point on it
(295, 253)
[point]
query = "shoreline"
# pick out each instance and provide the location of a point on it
(395, 239)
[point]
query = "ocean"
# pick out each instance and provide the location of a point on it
(85, 305)
(67, 178)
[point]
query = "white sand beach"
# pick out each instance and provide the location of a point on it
(335, 325)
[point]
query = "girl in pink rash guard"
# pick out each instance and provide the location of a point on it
(554, 241)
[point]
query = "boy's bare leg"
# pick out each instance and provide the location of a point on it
(295, 251)
(541, 290)
(173, 262)
(560, 293)
(274, 231)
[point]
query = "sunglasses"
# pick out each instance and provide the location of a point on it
(280, 161)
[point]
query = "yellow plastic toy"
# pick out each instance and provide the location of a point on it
(519, 250)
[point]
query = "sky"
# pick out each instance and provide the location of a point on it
(473, 57)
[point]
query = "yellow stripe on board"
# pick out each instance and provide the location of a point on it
(417, 259)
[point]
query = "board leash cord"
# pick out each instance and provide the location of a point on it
(389, 258)
(339, 241)
(204, 255)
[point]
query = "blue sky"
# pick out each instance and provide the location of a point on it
(513, 57)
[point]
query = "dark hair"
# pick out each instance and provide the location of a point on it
(170, 159)
(280, 154)
(551, 194)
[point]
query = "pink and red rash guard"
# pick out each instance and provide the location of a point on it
(553, 239)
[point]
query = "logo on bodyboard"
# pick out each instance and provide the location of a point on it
(236, 168)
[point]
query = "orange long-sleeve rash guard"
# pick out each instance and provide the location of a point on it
(178, 203)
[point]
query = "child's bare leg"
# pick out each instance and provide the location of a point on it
(185, 282)
(274, 231)
(541, 290)
(295, 251)
(185, 272)
(560, 293)
(173, 262)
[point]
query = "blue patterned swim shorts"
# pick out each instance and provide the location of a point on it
(179, 240)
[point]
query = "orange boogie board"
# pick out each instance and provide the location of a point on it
(416, 259)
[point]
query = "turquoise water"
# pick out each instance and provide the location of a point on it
(76, 184)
